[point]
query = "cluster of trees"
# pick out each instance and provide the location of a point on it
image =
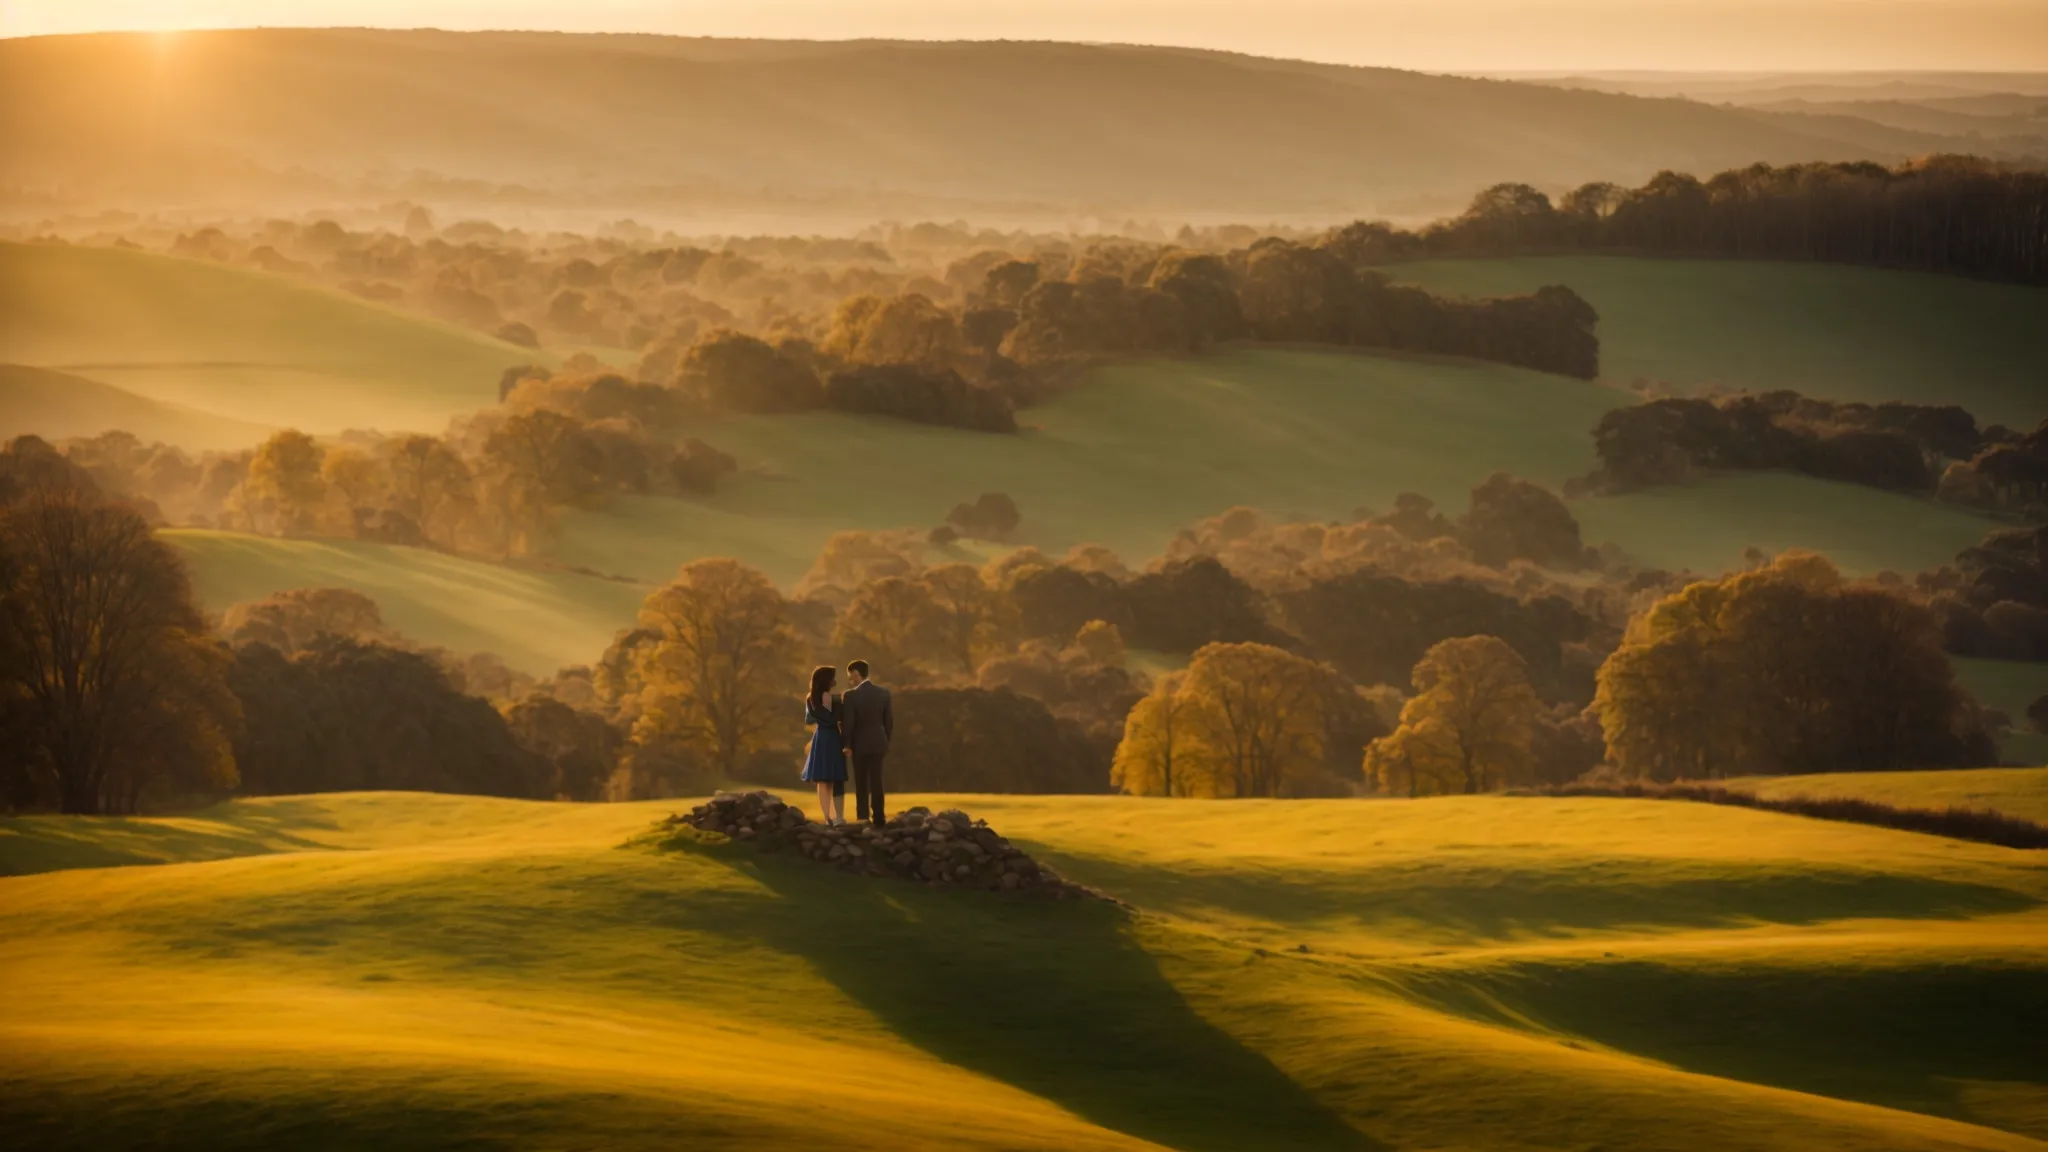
(1895, 446)
(1787, 668)
(1993, 600)
(2010, 474)
(1953, 214)
(116, 692)
(490, 486)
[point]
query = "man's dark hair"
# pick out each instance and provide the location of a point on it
(858, 668)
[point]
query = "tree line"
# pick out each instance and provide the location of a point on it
(1954, 214)
(1405, 652)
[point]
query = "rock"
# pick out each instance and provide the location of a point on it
(949, 850)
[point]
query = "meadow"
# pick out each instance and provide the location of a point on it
(1513, 973)
(1137, 450)
(209, 355)
(1838, 332)
(243, 346)
(2021, 792)
(536, 620)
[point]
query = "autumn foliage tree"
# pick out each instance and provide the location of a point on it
(111, 687)
(722, 665)
(1255, 715)
(1470, 726)
(1786, 669)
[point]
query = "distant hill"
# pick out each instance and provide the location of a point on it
(56, 405)
(665, 124)
(200, 341)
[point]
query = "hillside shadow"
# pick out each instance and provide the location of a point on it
(1055, 998)
(1480, 903)
(36, 844)
(1916, 1038)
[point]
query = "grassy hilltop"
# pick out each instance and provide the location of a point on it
(240, 346)
(413, 970)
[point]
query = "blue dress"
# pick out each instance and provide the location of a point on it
(826, 763)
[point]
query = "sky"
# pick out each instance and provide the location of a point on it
(1430, 35)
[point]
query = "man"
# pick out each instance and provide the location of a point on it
(866, 723)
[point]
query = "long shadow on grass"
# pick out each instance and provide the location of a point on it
(1912, 1037)
(35, 844)
(1055, 998)
(1479, 902)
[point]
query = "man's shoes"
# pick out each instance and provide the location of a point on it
(881, 821)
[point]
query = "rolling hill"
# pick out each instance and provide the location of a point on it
(228, 345)
(1140, 449)
(58, 405)
(669, 125)
(1127, 458)
(415, 970)
(1835, 332)
(2021, 792)
(535, 620)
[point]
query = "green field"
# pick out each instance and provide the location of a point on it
(537, 621)
(413, 971)
(1138, 450)
(1836, 332)
(2021, 792)
(244, 346)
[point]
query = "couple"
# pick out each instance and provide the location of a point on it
(855, 726)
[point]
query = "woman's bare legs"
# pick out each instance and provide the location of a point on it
(825, 811)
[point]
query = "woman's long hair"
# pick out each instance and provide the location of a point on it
(822, 679)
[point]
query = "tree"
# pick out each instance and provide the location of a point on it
(1470, 726)
(964, 618)
(887, 622)
(581, 748)
(1151, 759)
(735, 372)
(1256, 718)
(297, 619)
(284, 490)
(725, 663)
(429, 484)
(1785, 669)
(109, 684)
(992, 516)
(343, 716)
(1513, 519)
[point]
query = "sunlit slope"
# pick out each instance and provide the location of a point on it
(537, 621)
(1835, 332)
(56, 405)
(1491, 972)
(1138, 450)
(2021, 792)
(241, 345)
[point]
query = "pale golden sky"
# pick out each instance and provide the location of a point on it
(1436, 35)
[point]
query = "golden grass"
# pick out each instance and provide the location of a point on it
(1468, 972)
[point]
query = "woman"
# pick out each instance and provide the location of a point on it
(826, 764)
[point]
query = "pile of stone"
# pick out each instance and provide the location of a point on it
(947, 849)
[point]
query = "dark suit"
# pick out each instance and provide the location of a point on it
(866, 722)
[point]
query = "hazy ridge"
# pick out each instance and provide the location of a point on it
(276, 117)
